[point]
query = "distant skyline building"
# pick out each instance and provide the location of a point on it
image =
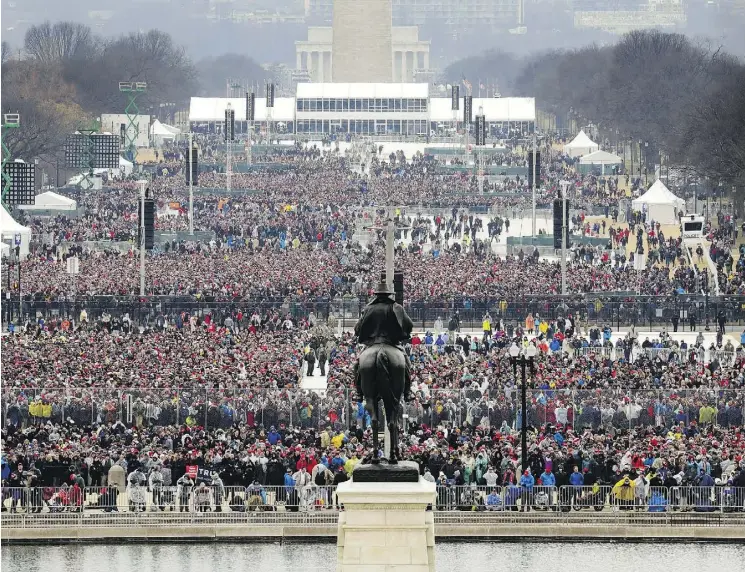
(362, 41)
(458, 15)
(624, 16)
(410, 54)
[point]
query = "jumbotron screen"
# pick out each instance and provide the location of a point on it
(101, 152)
(22, 183)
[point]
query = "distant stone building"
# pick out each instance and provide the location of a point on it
(410, 55)
(627, 15)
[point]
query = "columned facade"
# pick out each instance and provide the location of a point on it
(409, 54)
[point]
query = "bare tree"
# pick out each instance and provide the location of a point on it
(47, 105)
(60, 42)
(149, 57)
(6, 52)
(213, 73)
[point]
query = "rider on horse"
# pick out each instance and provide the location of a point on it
(384, 322)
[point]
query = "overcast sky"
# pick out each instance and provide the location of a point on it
(549, 22)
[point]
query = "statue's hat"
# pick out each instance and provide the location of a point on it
(383, 288)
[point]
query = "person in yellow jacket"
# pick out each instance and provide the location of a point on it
(486, 326)
(351, 464)
(623, 493)
(337, 440)
(325, 439)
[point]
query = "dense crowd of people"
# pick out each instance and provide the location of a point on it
(223, 394)
(113, 402)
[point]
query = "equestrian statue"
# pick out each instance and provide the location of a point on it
(382, 371)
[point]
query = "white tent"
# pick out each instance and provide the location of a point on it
(5, 249)
(580, 145)
(601, 158)
(51, 201)
(660, 204)
(9, 228)
(126, 167)
(160, 132)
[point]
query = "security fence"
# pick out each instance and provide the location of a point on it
(221, 408)
(589, 309)
(312, 498)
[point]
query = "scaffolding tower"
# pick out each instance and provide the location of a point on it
(88, 155)
(10, 121)
(133, 89)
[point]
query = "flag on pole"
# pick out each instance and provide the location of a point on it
(467, 84)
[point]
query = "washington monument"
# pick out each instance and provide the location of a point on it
(362, 45)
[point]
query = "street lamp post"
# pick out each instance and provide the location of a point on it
(564, 184)
(143, 196)
(514, 353)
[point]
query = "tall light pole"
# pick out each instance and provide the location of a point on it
(530, 351)
(481, 152)
(229, 151)
(564, 186)
(190, 152)
(534, 181)
(142, 184)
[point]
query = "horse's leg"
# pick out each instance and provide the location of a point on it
(391, 414)
(372, 409)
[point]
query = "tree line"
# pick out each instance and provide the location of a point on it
(65, 76)
(684, 99)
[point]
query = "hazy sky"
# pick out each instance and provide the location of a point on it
(549, 22)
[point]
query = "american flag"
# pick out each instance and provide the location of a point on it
(467, 84)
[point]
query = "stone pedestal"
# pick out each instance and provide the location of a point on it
(385, 527)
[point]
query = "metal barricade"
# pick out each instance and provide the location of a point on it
(584, 497)
(312, 498)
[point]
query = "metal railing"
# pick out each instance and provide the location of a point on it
(282, 500)
(220, 408)
(590, 309)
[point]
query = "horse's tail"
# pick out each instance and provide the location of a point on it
(385, 378)
(382, 369)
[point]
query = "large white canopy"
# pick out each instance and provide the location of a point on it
(158, 129)
(580, 145)
(52, 201)
(600, 158)
(9, 228)
(660, 204)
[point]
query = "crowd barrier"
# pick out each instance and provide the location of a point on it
(591, 309)
(221, 408)
(312, 498)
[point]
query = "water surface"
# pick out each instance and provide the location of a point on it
(274, 557)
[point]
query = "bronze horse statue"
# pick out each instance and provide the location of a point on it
(382, 371)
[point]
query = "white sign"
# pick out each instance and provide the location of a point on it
(73, 266)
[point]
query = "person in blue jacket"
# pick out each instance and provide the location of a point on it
(657, 502)
(493, 501)
(548, 479)
(273, 436)
(511, 495)
(576, 480)
(527, 481)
